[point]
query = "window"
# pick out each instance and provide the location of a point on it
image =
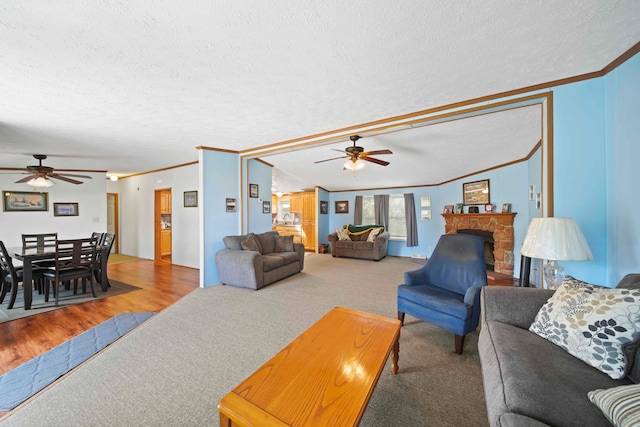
(397, 222)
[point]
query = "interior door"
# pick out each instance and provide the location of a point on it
(112, 220)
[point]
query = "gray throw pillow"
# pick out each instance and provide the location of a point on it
(251, 243)
(284, 244)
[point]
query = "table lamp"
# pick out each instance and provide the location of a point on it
(555, 239)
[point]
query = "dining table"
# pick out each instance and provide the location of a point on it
(29, 255)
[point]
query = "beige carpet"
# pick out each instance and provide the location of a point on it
(174, 368)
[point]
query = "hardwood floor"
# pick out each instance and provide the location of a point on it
(162, 284)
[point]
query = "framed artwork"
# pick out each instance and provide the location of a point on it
(324, 207)
(231, 205)
(448, 209)
(459, 208)
(65, 209)
(506, 207)
(253, 191)
(425, 201)
(266, 207)
(342, 207)
(190, 199)
(476, 192)
(425, 214)
(25, 201)
(488, 207)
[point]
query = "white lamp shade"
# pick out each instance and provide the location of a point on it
(40, 182)
(354, 166)
(558, 239)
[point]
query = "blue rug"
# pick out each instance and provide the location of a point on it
(21, 383)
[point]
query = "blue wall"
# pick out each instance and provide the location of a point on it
(258, 173)
(220, 177)
(323, 220)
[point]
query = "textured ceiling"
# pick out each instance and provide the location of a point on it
(135, 86)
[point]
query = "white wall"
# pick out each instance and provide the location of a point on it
(136, 209)
(92, 208)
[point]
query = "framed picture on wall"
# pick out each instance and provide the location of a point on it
(476, 192)
(425, 214)
(324, 207)
(253, 191)
(25, 201)
(342, 207)
(190, 199)
(65, 209)
(266, 207)
(231, 205)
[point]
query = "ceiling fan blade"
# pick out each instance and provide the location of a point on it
(376, 152)
(335, 158)
(26, 178)
(339, 151)
(72, 174)
(63, 178)
(372, 160)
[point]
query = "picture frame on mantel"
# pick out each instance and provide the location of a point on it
(476, 192)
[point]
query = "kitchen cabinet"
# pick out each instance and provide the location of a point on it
(165, 242)
(290, 230)
(309, 237)
(274, 204)
(165, 202)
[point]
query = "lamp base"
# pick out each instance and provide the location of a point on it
(553, 274)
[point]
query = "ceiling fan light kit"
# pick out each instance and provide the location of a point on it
(40, 176)
(40, 182)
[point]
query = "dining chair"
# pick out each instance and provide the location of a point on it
(76, 259)
(11, 276)
(106, 244)
(40, 241)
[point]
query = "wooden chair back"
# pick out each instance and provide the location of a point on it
(39, 240)
(76, 253)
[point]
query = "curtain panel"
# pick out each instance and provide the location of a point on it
(357, 211)
(381, 209)
(410, 220)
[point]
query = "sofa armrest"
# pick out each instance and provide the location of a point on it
(240, 268)
(514, 306)
(299, 249)
(381, 239)
(333, 238)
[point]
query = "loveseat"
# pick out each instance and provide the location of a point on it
(354, 242)
(256, 260)
(531, 381)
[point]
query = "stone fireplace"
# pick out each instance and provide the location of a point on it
(500, 224)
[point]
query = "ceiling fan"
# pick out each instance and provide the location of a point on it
(357, 153)
(40, 176)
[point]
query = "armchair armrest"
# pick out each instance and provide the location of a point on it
(515, 306)
(240, 268)
(416, 277)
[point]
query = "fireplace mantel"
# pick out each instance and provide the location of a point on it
(500, 224)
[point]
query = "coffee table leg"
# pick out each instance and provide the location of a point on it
(395, 356)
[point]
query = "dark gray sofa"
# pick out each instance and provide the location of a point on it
(358, 247)
(255, 269)
(529, 381)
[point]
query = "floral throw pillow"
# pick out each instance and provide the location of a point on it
(592, 323)
(373, 234)
(342, 234)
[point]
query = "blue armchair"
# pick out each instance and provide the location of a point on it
(446, 290)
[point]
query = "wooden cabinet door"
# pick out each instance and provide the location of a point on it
(165, 202)
(165, 242)
(295, 202)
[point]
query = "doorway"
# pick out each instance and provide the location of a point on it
(112, 220)
(162, 225)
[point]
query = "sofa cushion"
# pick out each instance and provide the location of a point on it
(361, 237)
(234, 242)
(342, 234)
(270, 262)
(284, 244)
(526, 374)
(621, 405)
(251, 243)
(374, 233)
(267, 241)
(286, 257)
(592, 323)
(435, 298)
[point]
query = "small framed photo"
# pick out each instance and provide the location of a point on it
(506, 207)
(266, 207)
(532, 192)
(488, 207)
(474, 209)
(231, 205)
(65, 209)
(476, 192)
(25, 201)
(538, 201)
(190, 199)
(425, 201)
(342, 207)
(448, 209)
(253, 191)
(324, 207)
(425, 214)
(459, 208)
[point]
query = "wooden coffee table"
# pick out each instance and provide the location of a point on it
(324, 377)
